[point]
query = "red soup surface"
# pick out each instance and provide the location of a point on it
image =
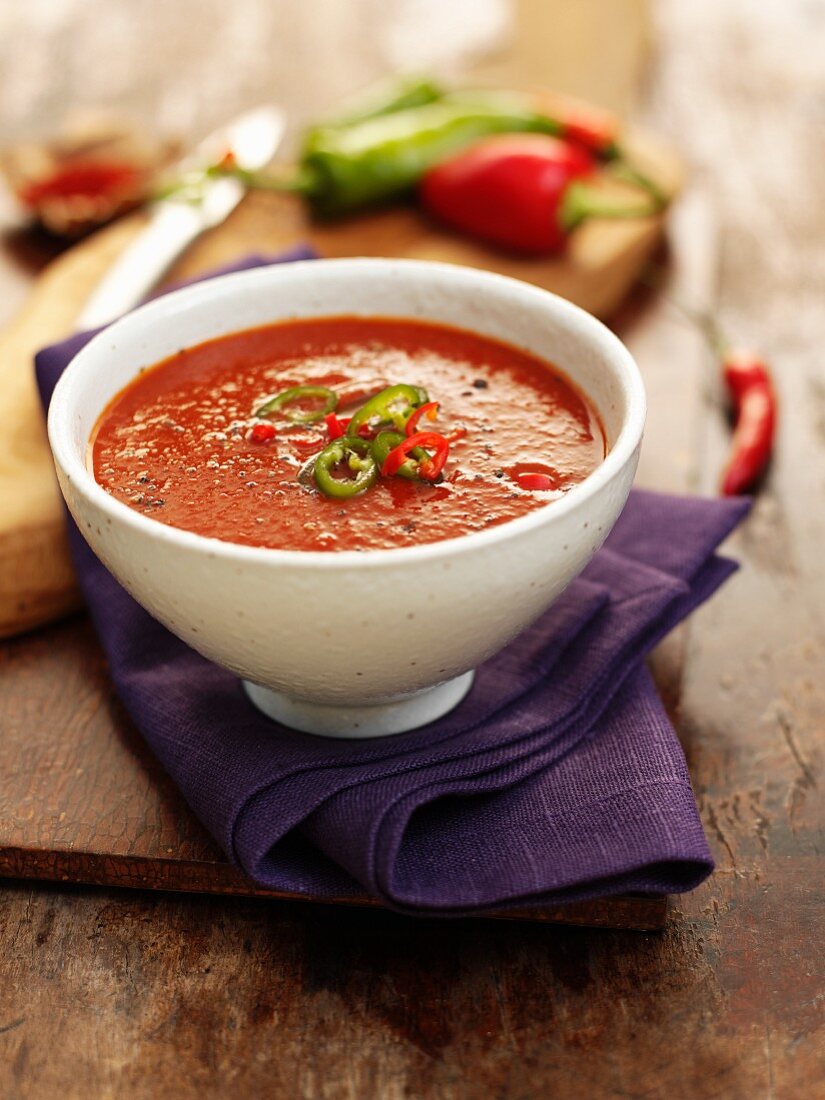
(183, 445)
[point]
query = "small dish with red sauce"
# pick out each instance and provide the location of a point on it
(349, 481)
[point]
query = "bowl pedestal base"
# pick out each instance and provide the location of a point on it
(405, 713)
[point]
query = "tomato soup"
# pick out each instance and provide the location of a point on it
(345, 433)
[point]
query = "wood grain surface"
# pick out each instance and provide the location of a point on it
(36, 582)
(109, 993)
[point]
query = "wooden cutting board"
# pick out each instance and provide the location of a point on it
(36, 581)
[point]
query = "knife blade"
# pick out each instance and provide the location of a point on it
(174, 223)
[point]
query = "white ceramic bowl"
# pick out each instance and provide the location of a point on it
(311, 632)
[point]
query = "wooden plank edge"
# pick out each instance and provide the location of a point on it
(37, 582)
(637, 913)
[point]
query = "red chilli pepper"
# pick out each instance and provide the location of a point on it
(537, 482)
(455, 435)
(262, 433)
(599, 132)
(429, 410)
(749, 385)
(595, 130)
(335, 427)
(520, 191)
(427, 470)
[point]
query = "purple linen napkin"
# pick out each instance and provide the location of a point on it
(558, 778)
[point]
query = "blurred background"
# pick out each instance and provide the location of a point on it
(726, 82)
(735, 88)
(184, 65)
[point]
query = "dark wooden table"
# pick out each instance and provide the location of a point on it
(107, 993)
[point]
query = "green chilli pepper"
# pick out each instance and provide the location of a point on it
(383, 157)
(356, 456)
(282, 401)
(384, 98)
(385, 442)
(391, 406)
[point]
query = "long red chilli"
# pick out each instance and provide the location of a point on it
(751, 391)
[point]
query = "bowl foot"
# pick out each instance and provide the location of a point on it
(406, 713)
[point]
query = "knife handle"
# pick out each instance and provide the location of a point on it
(133, 275)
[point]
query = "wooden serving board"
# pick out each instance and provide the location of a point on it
(36, 581)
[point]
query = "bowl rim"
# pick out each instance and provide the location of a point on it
(163, 308)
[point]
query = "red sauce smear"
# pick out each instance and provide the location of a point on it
(90, 179)
(178, 443)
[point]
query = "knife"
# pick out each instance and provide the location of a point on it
(174, 222)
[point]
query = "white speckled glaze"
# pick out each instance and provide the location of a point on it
(313, 627)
